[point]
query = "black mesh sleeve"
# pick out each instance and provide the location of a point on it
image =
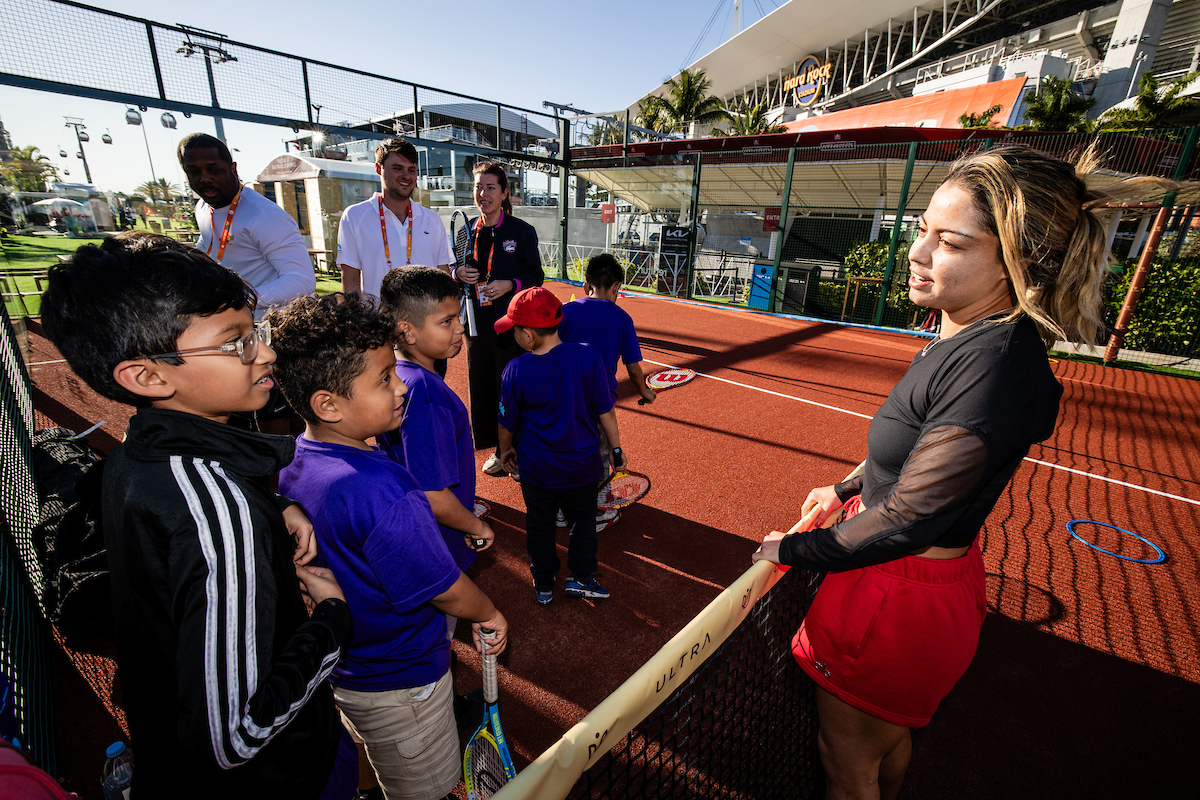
(848, 488)
(936, 486)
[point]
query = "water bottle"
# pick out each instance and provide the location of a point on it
(118, 772)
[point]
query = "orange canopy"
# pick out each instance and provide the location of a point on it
(940, 110)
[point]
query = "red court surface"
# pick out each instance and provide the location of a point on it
(1087, 681)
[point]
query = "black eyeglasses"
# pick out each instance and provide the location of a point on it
(244, 347)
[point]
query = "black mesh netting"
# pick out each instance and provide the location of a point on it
(744, 725)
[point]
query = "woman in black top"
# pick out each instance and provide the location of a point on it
(1011, 253)
(503, 259)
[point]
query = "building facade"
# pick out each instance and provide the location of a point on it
(804, 64)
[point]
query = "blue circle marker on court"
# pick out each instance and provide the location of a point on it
(1161, 555)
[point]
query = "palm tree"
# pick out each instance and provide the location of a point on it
(749, 119)
(981, 120)
(160, 189)
(1155, 106)
(1056, 107)
(605, 131)
(688, 102)
(651, 114)
(27, 171)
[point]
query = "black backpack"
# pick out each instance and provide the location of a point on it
(76, 592)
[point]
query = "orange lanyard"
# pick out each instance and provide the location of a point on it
(475, 251)
(383, 229)
(225, 231)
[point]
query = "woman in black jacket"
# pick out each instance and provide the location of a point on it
(503, 259)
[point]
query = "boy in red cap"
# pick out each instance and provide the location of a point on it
(554, 400)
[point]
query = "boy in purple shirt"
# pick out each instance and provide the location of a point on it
(434, 438)
(377, 534)
(554, 400)
(598, 320)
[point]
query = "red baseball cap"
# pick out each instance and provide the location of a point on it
(534, 307)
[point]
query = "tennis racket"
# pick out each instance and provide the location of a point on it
(487, 764)
(623, 488)
(460, 235)
(668, 379)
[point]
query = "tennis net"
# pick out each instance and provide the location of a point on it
(721, 711)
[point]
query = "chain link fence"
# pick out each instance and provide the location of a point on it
(24, 633)
(61, 46)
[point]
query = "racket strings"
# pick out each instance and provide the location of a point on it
(487, 767)
(622, 490)
(670, 378)
(461, 234)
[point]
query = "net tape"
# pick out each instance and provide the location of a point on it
(736, 717)
(743, 726)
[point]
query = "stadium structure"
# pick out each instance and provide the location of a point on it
(874, 63)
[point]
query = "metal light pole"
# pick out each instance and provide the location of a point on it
(211, 53)
(81, 136)
(132, 117)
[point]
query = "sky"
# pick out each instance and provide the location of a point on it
(593, 56)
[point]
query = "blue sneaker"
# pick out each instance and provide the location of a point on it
(543, 595)
(578, 588)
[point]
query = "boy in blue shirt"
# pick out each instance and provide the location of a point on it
(434, 438)
(554, 400)
(598, 320)
(377, 534)
(222, 669)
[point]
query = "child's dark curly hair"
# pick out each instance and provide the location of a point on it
(321, 343)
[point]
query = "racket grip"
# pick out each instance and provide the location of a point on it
(491, 681)
(642, 401)
(479, 543)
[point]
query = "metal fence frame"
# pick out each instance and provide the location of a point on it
(136, 61)
(833, 284)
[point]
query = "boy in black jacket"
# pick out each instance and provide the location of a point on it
(222, 671)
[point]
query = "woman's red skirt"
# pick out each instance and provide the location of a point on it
(893, 639)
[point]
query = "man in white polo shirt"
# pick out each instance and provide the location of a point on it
(389, 229)
(242, 230)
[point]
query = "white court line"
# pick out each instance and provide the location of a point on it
(1114, 480)
(44, 363)
(768, 391)
(865, 416)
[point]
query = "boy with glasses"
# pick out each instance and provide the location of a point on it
(223, 672)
